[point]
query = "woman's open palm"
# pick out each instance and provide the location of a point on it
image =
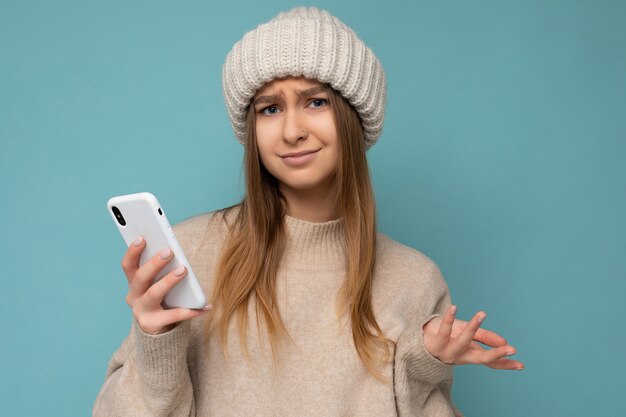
(454, 342)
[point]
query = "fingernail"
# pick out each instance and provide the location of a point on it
(207, 307)
(138, 241)
(179, 271)
(165, 253)
(519, 368)
(453, 310)
(510, 352)
(481, 318)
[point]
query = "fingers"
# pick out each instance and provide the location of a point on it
(146, 273)
(442, 338)
(456, 342)
(164, 320)
(493, 358)
(489, 338)
(176, 315)
(484, 336)
(493, 355)
(506, 364)
(155, 294)
(461, 343)
(130, 261)
(152, 318)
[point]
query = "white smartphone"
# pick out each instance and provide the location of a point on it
(141, 215)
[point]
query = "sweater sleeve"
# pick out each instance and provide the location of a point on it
(423, 383)
(148, 376)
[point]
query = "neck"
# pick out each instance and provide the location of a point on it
(310, 205)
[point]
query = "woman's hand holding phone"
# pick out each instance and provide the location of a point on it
(145, 298)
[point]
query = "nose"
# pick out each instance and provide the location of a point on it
(293, 130)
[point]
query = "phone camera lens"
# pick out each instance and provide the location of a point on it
(118, 216)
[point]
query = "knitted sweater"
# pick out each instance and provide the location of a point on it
(172, 374)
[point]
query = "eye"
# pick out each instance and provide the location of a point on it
(262, 111)
(318, 100)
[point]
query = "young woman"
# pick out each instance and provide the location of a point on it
(313, 311)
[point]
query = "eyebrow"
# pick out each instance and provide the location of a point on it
(301, 93)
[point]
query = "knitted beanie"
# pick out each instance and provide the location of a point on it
(308, 42)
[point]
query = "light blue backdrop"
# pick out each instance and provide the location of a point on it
(502, 158)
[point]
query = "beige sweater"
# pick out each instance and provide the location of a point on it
(171, 374)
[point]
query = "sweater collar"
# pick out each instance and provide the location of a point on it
(314, 245)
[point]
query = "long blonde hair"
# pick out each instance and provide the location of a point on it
(256, 240)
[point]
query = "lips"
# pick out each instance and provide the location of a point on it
(300, 158)
(299, 153)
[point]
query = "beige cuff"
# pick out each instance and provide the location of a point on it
(162, 358)
(421, 366)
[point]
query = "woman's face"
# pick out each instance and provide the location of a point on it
(293, 115)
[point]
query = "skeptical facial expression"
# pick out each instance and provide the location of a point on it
(296, 133)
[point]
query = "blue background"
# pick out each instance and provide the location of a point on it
(502, 159)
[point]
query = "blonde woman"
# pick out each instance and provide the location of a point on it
(313, 312)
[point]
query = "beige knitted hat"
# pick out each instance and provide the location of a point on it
(308, 42)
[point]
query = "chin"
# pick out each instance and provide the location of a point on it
(306, 184)
(302, 186)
